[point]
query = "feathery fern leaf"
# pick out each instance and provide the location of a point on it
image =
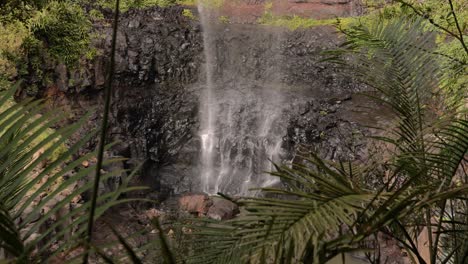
(35, 188)
(322, 203)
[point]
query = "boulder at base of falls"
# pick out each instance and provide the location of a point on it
(195, 203)
(213, 207)
(222, 209)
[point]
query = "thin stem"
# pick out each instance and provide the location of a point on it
(439, 227)
(379, 249)
(103, 133)
(429, 235)
(462, 41)
(419, 13)
(454, 235)
(413, 247)
(423, 161)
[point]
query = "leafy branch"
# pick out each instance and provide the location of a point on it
(458, 35)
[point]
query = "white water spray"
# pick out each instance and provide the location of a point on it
(240, 123)
(208, 109)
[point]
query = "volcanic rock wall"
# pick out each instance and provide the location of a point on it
(159, 76)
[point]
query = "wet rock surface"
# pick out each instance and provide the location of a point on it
(202, 205)
(195, 203)
(322, 129)
(222, 209)
(160, 77)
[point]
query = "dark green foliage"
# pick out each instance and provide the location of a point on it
(22, 181)
(64, 29)
(128, 4)
(11, 10)
(11, 240)
(37, 33)
(165, 248)
(289, 230)
(130, 252)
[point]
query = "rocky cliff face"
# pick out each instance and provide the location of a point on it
(160, 75)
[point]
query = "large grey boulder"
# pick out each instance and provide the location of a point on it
(222, 209)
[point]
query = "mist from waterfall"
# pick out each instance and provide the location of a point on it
(240, 129)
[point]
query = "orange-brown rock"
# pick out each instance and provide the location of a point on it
(195, 203)
(85, 164)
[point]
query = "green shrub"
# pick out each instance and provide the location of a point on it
(127, 4)
(189, 14)
(12, 36)
(65, 30)
(224, 19)
(96, 14)
(297, 22)
(162, 3)
(455, 92)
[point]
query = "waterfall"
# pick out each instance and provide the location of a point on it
(207, 108)
(240, 120)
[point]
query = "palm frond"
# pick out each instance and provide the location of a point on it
(35, 188)
(396, 59)
(322, 203)
(168, 256)
(9, 236)
(450, 149)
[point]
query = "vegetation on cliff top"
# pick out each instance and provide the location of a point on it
(36, 33)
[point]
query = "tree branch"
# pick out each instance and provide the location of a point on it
(446, 30)
(458, 27)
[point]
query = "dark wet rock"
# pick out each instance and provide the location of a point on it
(322, 129)
(222, 209)
(112, 183)
(62, 78)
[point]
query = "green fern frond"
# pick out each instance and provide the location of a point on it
(35, 188)
(322, 203)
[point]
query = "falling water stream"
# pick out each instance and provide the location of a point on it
(208, 109)
(240, 130)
